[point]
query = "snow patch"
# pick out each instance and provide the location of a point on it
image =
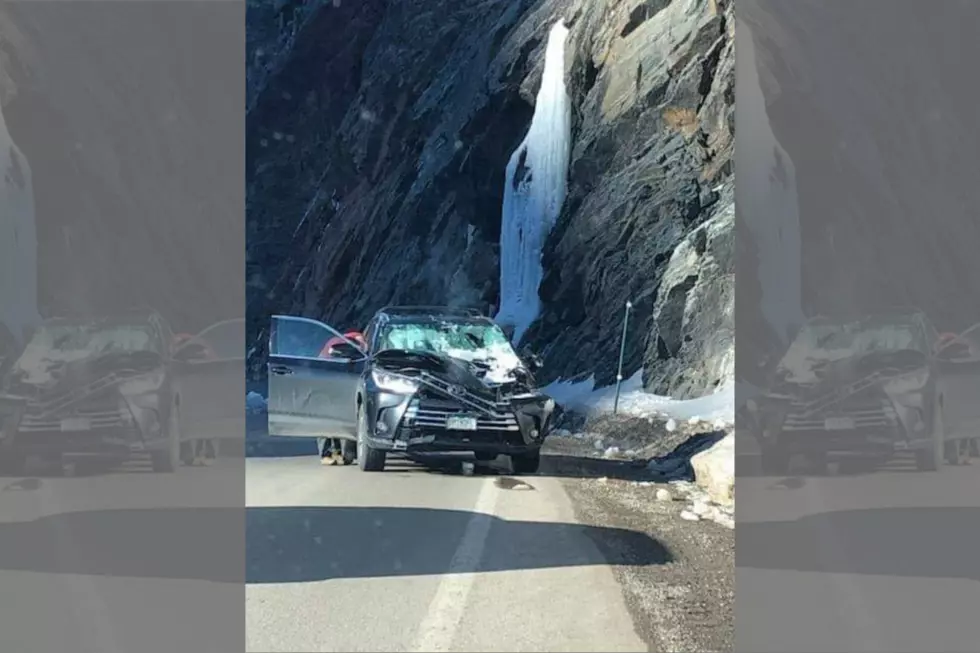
(535, 191)
(718, 407)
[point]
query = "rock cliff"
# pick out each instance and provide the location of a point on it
(125, 119)
(873, 110)
(377, 138)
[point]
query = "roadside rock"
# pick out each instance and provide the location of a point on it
(714, 470)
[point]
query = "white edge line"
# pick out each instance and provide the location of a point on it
(438, 628)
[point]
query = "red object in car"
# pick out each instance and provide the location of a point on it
(352, 336)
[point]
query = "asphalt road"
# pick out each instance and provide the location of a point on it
(883, 561)
(123, 560)
(419, 560)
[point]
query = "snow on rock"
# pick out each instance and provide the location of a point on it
(535, 189)
(714, 470)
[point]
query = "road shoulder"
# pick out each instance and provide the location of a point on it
(685, 604)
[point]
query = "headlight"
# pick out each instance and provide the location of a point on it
(549, 404)
(907, 383)
(394, 383)
(143, 384)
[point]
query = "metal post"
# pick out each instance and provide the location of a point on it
(622, 353)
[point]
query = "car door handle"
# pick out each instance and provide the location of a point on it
(281, 370)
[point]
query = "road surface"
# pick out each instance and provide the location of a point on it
(886, 561)
(123, 561)
(419, 560)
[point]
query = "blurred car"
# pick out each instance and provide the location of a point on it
(870, 387)
(94, 387)
(120, 386)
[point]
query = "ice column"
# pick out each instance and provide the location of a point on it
(18, 238)
(535, 191)
(766, 197)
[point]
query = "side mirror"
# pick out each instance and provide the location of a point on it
(954, 351)
(346, 352)
(194, 351)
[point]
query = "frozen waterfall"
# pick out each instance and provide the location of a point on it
(534, 191)
(18, 240)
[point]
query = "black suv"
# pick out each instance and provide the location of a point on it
(430, 380)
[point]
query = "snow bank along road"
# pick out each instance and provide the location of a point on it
(418, 560)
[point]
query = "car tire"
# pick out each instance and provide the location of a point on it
(368, 458)
(774, 460)
(167, 460)
(12, 462)
(348, 451)
(930, 459)
(526, 463)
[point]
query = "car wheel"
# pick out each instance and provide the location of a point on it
(526, 463)
(12, 462)
(369, 458)
(930, 458)
(774, 460)
(168, 459)
(348, 450)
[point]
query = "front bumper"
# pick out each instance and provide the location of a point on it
(417, 423)
(84, 430)
(876, 427)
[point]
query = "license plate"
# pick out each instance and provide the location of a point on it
(76, 424)
(460, 423)
(838, 423)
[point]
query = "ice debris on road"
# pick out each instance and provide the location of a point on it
(718, 407)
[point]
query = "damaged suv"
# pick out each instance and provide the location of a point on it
(432, 380)
(868, 388)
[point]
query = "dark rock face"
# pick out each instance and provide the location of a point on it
(378, 140)
(124, 116)
(879, 119)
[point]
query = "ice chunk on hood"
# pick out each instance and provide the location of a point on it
(503, 362)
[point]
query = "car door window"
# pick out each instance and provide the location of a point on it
(966, 347)
(225, 340)
(300, 337)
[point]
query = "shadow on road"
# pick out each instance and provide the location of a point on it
(187, 543)
(921, 542)
(290, 545)
(294, 544)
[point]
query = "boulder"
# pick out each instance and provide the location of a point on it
(714, 470)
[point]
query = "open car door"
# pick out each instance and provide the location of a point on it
(313, 376)
(211, 372)
(958, 362)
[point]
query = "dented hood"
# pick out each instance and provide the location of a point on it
(48, 373)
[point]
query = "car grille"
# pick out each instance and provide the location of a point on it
(432, 413)
(100, 416)
(867, 414)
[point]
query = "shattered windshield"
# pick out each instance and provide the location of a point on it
(91, 339)
(476, 342)
(55, 344)
(449, 338)
(821, 342)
